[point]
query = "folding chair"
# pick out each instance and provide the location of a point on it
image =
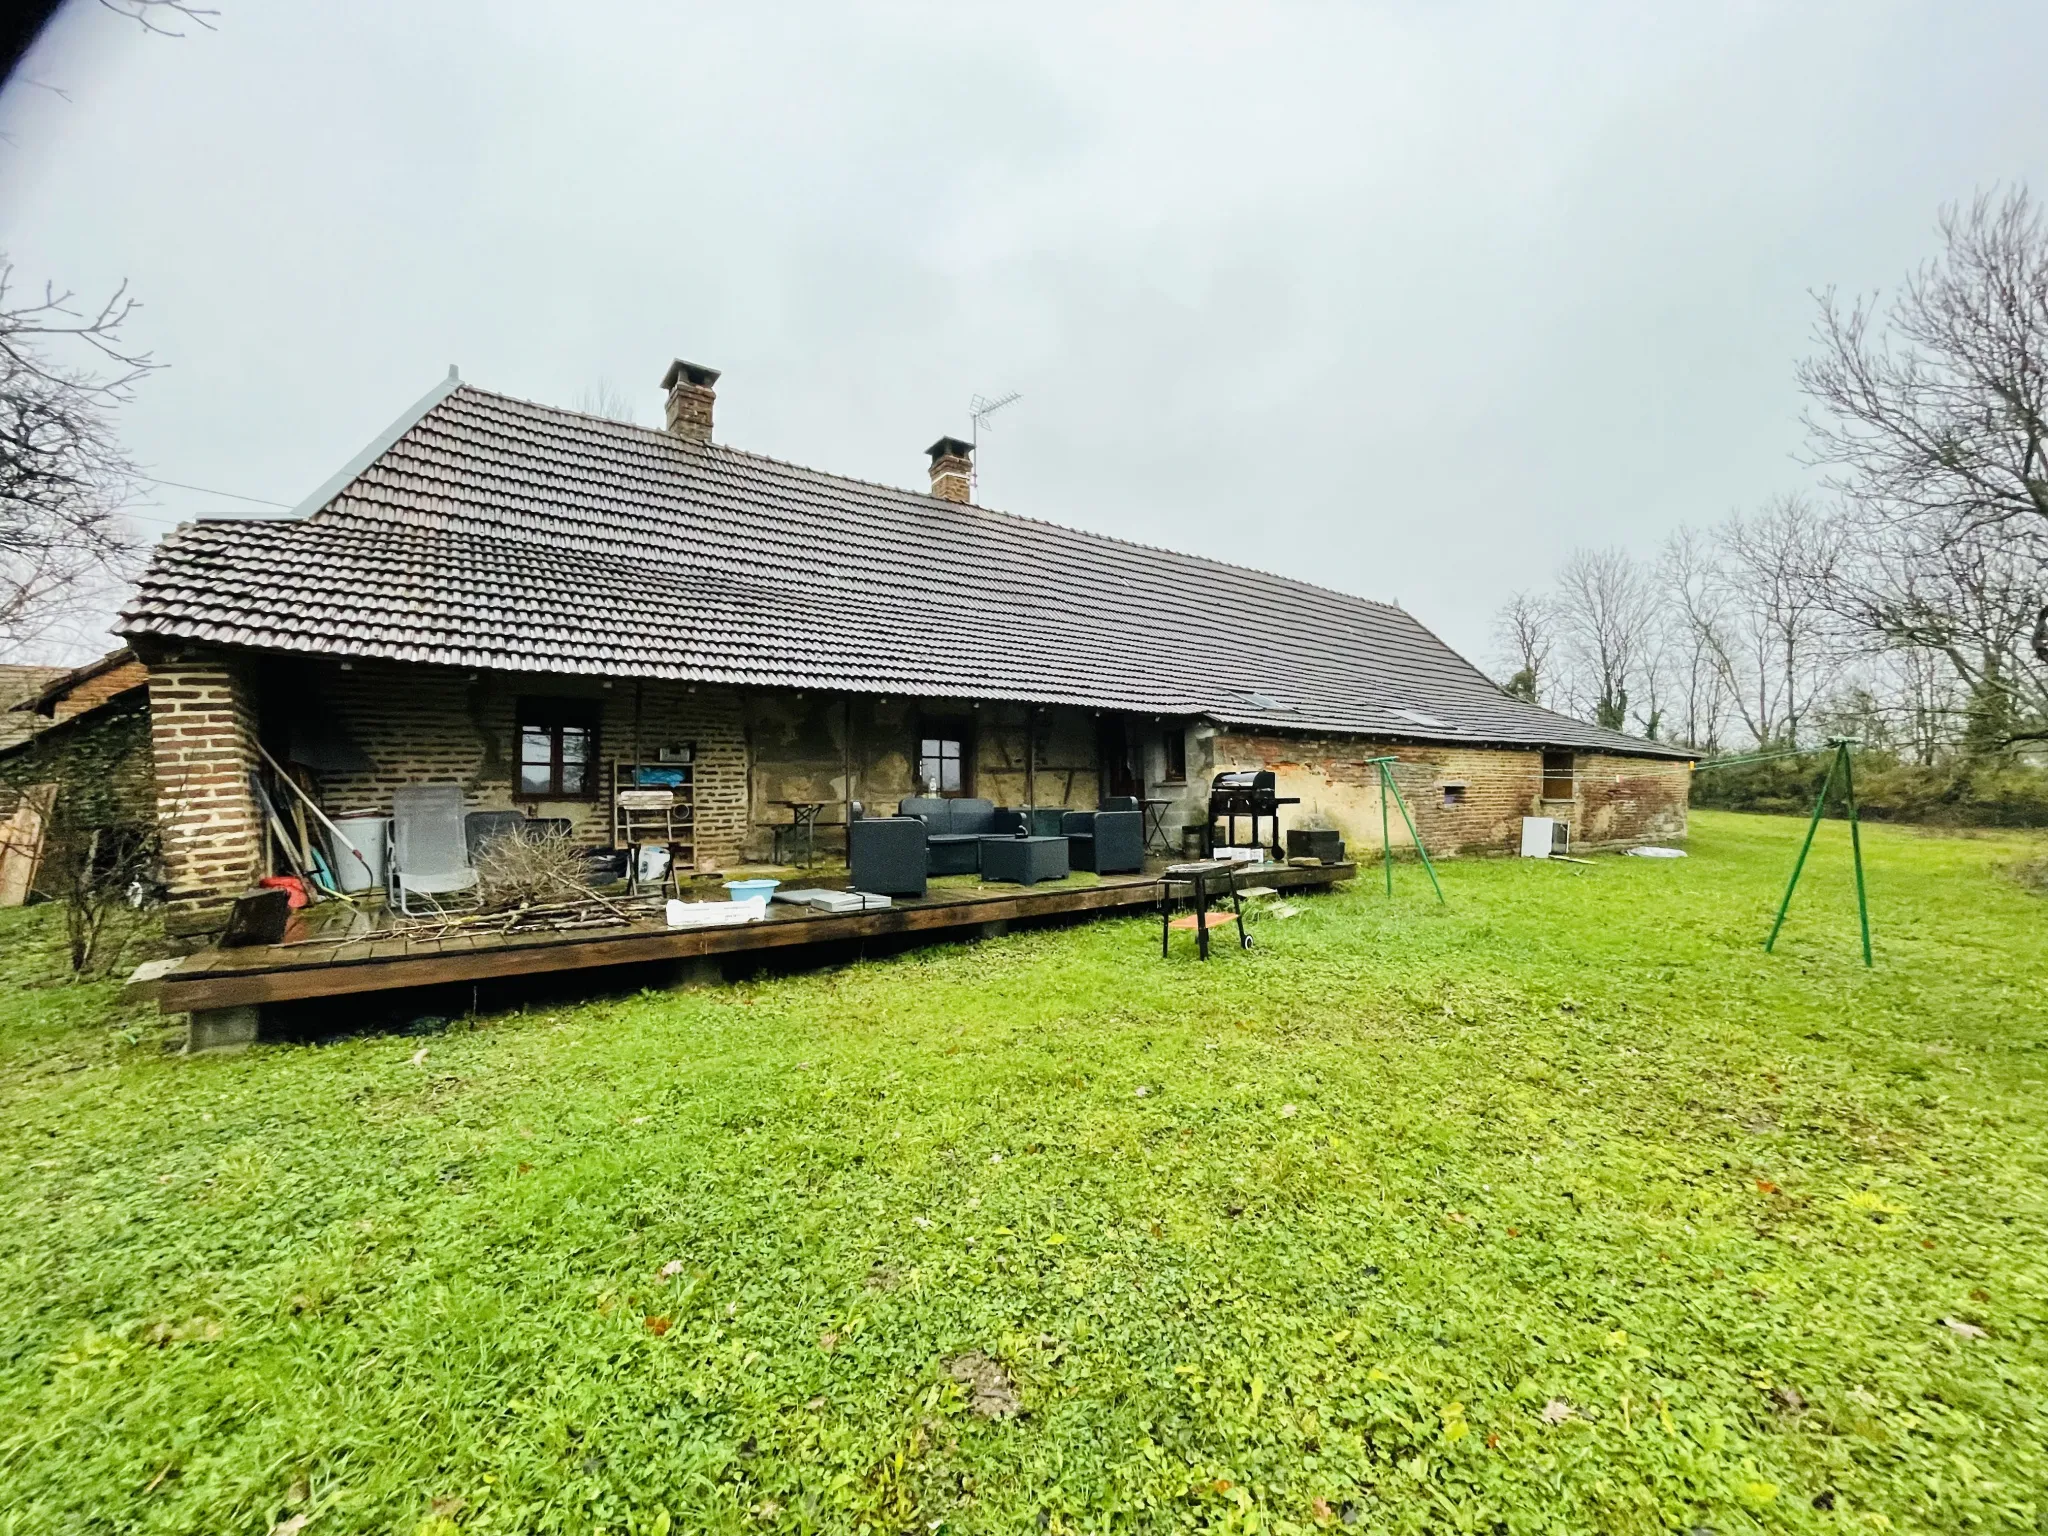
(429, 848)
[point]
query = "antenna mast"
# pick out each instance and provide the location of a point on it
(979, 409)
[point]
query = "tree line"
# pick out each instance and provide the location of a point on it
(1904, 599)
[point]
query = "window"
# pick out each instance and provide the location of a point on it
(945, 764)
(557, 749)
(1454, 794)
(1173, 757)
(1557, 775)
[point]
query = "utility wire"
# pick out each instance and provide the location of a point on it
(207, 490)
(1759, 757)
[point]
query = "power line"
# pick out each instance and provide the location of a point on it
(207, 490)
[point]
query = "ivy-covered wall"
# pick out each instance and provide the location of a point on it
(102, 766)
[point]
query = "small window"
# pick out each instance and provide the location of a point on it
(945, 764)
(557, 749)
(1454, 794)
(1173, 757)
(1557, 775)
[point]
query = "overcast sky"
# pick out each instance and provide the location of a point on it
(1406, 300)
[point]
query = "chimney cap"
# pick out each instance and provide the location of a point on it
(694, 373)
(950, 448)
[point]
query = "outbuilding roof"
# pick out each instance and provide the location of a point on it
(497, 533)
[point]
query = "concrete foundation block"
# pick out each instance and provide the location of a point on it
(222, 1029)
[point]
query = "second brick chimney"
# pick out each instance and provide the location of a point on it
(952, 469)
(690, 396)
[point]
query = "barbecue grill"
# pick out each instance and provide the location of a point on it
(1247, 793)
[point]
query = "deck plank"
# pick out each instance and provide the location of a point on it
(230, 978)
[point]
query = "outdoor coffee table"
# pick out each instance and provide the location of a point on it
(1024, 860)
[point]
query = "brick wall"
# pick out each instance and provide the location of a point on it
(202, 734)
(1616, 799)
(438, 725)
(97, 690)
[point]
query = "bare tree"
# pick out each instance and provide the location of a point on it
(605, 398)
(1525, 631)
(64, 369)
(1940, 423)
(1607, 613)
(1695, 652)
(1778, 568)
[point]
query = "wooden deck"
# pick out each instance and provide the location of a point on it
(375, 960)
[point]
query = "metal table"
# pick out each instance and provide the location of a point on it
(803, 817)
(1196, 881)
(1155, 825)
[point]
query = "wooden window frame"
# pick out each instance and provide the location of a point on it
(554, 717)
(944, 728)
(1173, 755)
(1553, 775)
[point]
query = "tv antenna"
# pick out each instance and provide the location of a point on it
(979, 409)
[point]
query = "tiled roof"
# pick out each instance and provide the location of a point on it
(501, 534)
(19, 687)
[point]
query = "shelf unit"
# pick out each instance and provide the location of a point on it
(672, 826)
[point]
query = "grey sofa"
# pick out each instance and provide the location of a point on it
(954, 830)
(1108, 842)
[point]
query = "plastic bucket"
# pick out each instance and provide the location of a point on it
(366, 829)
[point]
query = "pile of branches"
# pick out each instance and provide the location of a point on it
(514, 872)
(524, 885)
(591, 910)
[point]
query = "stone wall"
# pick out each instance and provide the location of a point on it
(756, 750)
(836, 747)
(1463, 799)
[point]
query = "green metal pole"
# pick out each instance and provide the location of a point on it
(1856, 847)
(1387, 783)
(1386, 837)
(1819, 804)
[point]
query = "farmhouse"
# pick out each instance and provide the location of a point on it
(516, 598)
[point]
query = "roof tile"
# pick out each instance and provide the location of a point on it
(501, 534)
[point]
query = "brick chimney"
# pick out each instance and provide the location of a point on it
(689, 399)
(952, 469)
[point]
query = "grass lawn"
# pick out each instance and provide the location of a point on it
(1562, 1207)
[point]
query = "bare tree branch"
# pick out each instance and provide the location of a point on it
(155, 15)
(1525, 630)
(63, 477)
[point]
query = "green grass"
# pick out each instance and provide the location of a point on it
(1398, 1180)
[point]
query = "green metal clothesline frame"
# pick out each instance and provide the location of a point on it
(1842, 762)
(1389, 790)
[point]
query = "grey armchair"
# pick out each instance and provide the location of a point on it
(887, 855)
(1108, 842)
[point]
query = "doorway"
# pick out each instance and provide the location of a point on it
(1116, 751)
